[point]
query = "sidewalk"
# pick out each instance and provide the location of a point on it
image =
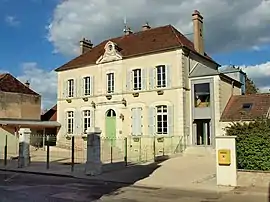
(183, 173)
(196, 173)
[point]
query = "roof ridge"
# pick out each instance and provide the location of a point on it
(175, 33)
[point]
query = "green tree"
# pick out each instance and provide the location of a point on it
(251, 87)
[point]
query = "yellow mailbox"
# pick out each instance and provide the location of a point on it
(224, 157)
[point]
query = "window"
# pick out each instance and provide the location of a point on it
(161, 76)
(87, 85)
(202, 95)
(70, 88)
(137, 79)
(162, 119)
(110, 82)
(86, 120)
(70, 122)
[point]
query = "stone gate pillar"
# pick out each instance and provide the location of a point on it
(93, 163)
(24, 147)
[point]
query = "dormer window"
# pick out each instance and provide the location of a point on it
(247, 106)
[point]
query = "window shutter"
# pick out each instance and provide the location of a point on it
(152, 78)
(92, 118)
(129, 81)
(77, 122)
(82, 87)
(139, 124)
(65, 89)
(170, 121)
(144, 79)
(133, 124)
(92, 85)
(65, 122)
(81, 125)
(151, 121)
(168, 76)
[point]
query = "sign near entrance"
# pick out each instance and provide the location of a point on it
(224, 157)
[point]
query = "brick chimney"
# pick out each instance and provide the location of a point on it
(27, 84)
(198, 32)
(85, 45)
(146, 26)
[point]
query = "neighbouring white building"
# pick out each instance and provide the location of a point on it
(152, 82)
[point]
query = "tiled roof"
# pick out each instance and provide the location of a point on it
(50, 115)
(8, 83)
(139, 43)
(259, 107)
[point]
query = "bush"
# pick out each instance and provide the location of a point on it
(252, 144)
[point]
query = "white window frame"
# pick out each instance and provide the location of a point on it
(70, 119)
(137, 75)
(86, 119)
(162, 112)
(110, 81)
(163, 76)
(87, 85)
(70, 88)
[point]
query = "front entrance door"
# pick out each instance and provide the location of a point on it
(202, 132)
(111, 125)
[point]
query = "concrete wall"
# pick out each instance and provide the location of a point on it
(20, 106)
(12, 141)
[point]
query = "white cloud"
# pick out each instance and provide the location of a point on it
(229, 24)
(42, 81)
(12, 21)
(260, 74)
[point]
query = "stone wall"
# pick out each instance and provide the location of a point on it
(20, 106)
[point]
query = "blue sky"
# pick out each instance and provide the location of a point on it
(39, 35)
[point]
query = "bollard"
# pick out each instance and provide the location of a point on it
(48, 152)
(125, 158)
(111, 150)
(5, 155)
(72, 153)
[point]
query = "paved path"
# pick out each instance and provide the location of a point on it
(16, 187)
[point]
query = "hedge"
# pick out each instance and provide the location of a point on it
(252, 144)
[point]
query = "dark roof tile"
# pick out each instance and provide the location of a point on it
(139, 43)
(9, 83)
(234, 110)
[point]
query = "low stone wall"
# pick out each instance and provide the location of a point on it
(253, 178)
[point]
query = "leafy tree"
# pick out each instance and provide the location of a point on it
(252, 144)
(251, 87)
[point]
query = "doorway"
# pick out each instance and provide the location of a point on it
(202, 132)
(110, 127)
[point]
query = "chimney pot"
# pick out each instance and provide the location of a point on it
(146, 26)
(198, 31)
(27, 84)
(128, 31)
(85, 45)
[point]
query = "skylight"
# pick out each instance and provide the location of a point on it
(247, 106)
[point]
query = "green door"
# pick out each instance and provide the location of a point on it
(111, 125)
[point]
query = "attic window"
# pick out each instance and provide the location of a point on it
(247, 106)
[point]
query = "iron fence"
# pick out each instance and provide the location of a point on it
(69, 154)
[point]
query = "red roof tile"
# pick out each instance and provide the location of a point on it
(50, 115)
(234, 111)
(10, 84)
(139, 43)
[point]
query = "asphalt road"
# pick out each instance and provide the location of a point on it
(17, 187)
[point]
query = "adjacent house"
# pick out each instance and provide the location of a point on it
(154, 82)
(20, 107)
(246, 108)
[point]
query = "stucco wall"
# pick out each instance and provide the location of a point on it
(173, 95)
(20, 106)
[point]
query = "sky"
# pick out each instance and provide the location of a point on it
(37, 36)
